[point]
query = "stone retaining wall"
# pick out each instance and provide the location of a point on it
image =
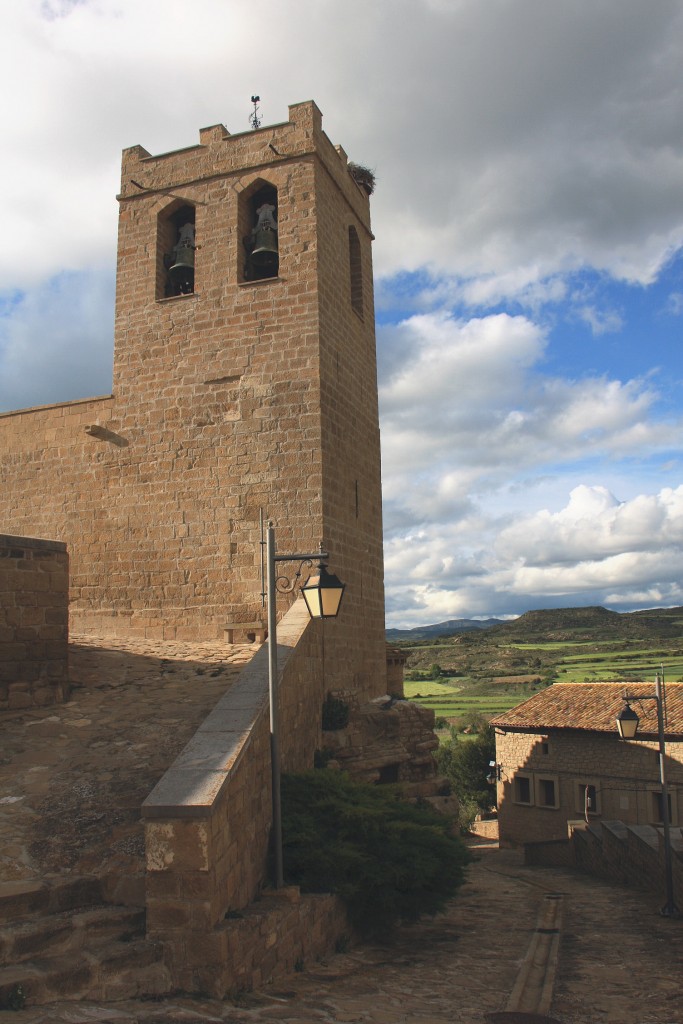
(631, 855)
(207, 826)
(34, 598)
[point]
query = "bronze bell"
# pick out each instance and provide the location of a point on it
(264, 255)
(181, 272)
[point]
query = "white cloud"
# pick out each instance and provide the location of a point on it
(465, 408)
(539, 137)
(604, 321)
(594, 526)
(514, 142)
(596, 550)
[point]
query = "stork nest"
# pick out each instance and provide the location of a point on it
(363, 176)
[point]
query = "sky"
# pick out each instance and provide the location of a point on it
(528, 257)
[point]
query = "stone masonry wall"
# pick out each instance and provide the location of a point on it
(241, 398)
(207, 826)
(387, 740)
(625, 775)
(629, 855)
(34, 597)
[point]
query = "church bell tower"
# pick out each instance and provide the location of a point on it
(245, 382)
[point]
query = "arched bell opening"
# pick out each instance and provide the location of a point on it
(175, 250)
(258, 226)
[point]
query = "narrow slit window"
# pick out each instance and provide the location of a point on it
(356, 272)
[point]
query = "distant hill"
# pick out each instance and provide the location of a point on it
(448, 628)
(553, 624)
(556, 624)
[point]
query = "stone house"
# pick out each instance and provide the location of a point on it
(559, 758)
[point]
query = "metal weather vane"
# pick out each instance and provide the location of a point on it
(254, 119)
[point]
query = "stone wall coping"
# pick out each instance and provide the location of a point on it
(618, 828)
(195, 780)
(646, 834)
(33, 543)
(55, 405)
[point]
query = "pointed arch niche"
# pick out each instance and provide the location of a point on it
(175, 250)
(259, 257)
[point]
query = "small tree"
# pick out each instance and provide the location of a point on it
(467, 765)
(388, 860)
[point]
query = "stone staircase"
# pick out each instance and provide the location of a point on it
(59, 940)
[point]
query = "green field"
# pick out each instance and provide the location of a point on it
(451, 699)
(489, 671)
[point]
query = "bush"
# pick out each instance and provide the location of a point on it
(335, 714)
(467, 812)
(388, 860)
(466, 765)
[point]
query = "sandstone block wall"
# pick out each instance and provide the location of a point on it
(34, 596)
(628, 855)
(624, 774)
(207, 827)
(387, 741)
(241, 398)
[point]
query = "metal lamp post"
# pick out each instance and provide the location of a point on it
(627, 724)
(323, 593)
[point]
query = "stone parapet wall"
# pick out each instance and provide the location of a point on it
(629, 855)
(34, 597)
(207, 827)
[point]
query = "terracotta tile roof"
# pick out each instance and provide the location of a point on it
(594, 707)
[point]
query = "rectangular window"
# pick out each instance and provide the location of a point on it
(587, 798)
(657, 807)
(546, 792)
(522, 789)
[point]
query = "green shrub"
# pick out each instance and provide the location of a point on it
(388, 860)
(467, 812)
(335, 714)
(467, 766)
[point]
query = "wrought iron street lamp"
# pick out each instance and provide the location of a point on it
(627, 724)
(323, 593)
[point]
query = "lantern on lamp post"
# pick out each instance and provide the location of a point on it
(322, 593)
(627, 725)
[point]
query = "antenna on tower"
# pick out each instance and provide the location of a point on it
(254, 119)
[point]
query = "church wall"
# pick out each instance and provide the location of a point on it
(239, 398)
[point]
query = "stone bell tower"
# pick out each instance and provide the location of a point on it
(245, 383)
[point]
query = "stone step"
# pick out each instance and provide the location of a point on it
(70, 930)
(115, 970)
(47, 896)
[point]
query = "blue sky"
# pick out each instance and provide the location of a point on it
(528, 256)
